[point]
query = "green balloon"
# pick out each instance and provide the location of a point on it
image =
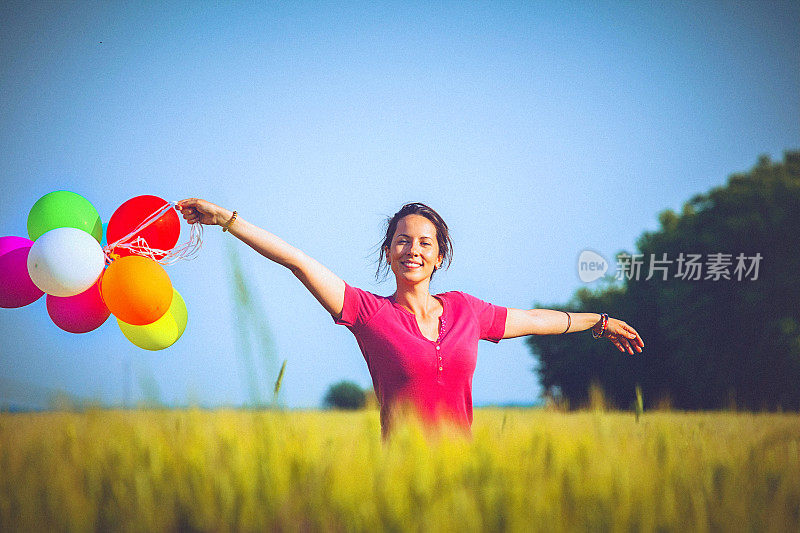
(63, 209)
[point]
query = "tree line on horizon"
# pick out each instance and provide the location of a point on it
(715, 294)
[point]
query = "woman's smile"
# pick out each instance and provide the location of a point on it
(414, 252)
(410, 264)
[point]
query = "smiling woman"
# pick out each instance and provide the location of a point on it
(421, 349)
(415, 214)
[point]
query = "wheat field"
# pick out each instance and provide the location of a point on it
(522, 470)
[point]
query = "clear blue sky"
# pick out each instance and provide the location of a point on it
(537, 130)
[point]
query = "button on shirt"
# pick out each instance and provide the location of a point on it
(435, 377)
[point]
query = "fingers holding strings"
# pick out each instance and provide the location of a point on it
(190, 213)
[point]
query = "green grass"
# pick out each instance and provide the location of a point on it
(523, 470)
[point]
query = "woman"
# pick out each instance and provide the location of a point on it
(420, 348)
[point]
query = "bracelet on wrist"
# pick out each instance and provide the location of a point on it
(228, 224)
(603, 323)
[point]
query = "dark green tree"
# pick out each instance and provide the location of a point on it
(345, 395)
(709, 342)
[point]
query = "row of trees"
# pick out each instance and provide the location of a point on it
(716, 335)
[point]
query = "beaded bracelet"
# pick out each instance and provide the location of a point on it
(227, 226)
(569, 322)
(603, 324)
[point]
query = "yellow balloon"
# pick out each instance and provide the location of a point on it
(163, 332)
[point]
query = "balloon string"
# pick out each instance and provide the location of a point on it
(143, 224)
(139, 246)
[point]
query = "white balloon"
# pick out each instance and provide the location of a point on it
(65, 261)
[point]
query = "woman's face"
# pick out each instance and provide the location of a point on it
(414, 251)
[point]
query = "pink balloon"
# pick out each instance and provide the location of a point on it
(16, 287)
(80, 313)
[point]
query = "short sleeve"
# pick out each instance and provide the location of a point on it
(491, 318)
(359, 306)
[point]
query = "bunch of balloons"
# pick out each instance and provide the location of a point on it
(85, 283)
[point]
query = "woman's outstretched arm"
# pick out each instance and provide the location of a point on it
(327, 287)
(550, 322)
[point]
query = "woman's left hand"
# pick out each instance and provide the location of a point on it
(624, 337)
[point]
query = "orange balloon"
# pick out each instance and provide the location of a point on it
(136, 290)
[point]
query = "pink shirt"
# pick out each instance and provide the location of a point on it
(434, 376)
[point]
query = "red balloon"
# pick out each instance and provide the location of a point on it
(162, 234)
(80, 313)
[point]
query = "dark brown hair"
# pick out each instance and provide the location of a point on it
(442, 236)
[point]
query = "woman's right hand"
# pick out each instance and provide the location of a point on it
(195, 210)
